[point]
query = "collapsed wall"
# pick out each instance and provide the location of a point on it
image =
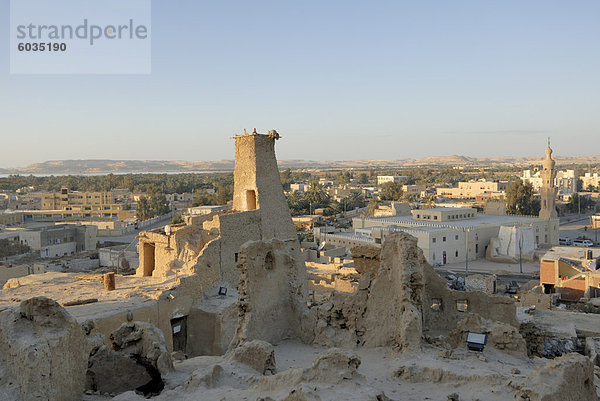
(271, 292)
(44, 349)
(386, 309)
(399, 299)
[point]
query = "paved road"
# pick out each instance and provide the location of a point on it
(580, 227)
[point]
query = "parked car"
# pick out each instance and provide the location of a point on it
(583, 242)
(565, 241)
(511, 288)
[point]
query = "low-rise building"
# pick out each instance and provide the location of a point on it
(571, 272)
(298, 187)
(446, 235)
(471, 189)
(590, 180)
(59, 240)
(565, 181)
(396, 179)
(418, 191)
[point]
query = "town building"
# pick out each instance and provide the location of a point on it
(59, 240)
(571, 272)
(471, 189)
(68, 204)
(590, 180)
(417, 191)
(446, 235)
(298, 187)
(565, 181)
(396, 179)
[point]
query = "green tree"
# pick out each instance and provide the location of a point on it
(579, 203)
(353, 201)
(224, 193)
(315, 193)
(11, 248)
(177, 219)
(429, 201)
(158, 204)
(371, 207)
(143, 208)
(521, 200)
(298, 205)
(390, 191)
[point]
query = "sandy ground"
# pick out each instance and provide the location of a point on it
(427, 376)
(69, 287)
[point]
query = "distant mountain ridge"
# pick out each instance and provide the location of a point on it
(178, 166)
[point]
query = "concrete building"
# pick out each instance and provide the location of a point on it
(471, 189)
(68, 204)
(571, 272)
(298, 187)
(590, 180)
(24, 201)
(60, 240)
(444, 234)
(418, 191)
(564, 181)
(11, 218)
(396, 179)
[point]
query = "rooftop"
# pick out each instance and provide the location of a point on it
(130, 292)
(480, 221)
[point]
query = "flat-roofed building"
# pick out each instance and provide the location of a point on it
(59, 240)
(396, 179)
(472, 189)
(445, 235)
(590, 180)
(414, 190)
(565, 181)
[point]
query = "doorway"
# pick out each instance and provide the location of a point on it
(179, 330)
(251, 200)
(444, 258)
(149, 259)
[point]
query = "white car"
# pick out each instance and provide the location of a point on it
(583, 242)
(565, 241)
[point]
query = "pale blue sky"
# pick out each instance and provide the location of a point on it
(338, 79)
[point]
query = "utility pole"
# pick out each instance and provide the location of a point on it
(467, 250)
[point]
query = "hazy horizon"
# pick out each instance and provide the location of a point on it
(339, 81)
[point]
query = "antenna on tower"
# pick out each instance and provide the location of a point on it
(548, 141)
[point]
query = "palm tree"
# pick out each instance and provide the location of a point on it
(373, 205)
(429, 200)
(315, 193)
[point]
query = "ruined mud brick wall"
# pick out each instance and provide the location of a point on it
(257, 185)
(397, 291)
(235, 229)
(445, 317)
(386, 309)
(210, 332)
(272, 292)
(45, 350)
